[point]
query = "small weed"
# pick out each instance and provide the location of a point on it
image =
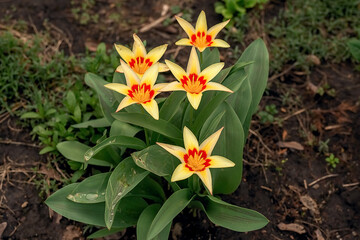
(83, 12)
(268, 116)
(332, 161)
(326, 89)
(324, 146)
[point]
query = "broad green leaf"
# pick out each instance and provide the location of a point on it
(104, 232)
(354, 47)
(257, 75)
(75, 151)
(107, 101)
(172, 207)
(156, 160)
(144, 222)
(90, 190)
(32, 115)
(149, 189)
(171, 105)
(209, 57)
(121, 141)
(96, 123)
(122, 180)
(47, 149)
(146, 121)
(127, 213)
(70, 100)
(124, 129)
(233, 82)
(211, 124)
(232, 217)
(229, 145)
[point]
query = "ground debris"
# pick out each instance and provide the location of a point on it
(292, 144)
(292, 227)
(72, 232)
(2, 228)
(310, 204)
(319, 235)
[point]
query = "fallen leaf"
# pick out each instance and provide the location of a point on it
(313, 59)
(284, 134)
(72, 232)
(91, 45)
(319, 235)
(292, 144)
(292, 227)
(2, 228)
(50, 173)
(312, 87)
(24, 205)
(310, 204)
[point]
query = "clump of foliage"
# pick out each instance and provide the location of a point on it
(236, 8)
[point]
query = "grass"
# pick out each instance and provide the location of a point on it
(303, 29)
(50, 88)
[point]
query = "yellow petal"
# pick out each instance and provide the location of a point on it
(201, 25)
(156, 53)
(188, 28)
(119, 69)
(201, 49)
(127, 101)
(130, 76)
(158, 87)
(213, 86)
(180, 173)
(220, 43)
(150, 75)
(163, 67)
(138, 47)
(152, 108)
(193, 64)
(209, 143)
(194, 99)
(211, 71)
(184, 42)
(214, 30)
(177, 151)
(220, 162)
(124, 52)
(120, 88)
(205, 177)
(190, 140)
(173, 86)
(176, 70)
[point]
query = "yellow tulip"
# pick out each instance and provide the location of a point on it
(194, 81)
(197, 159)
(138, 59)
(141, 91)
(201, 37)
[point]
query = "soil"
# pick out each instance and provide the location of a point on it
(285, 176)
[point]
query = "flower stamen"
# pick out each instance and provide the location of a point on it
(196, 161)
(141, 93)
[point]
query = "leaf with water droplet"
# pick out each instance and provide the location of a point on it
(121, 181)
(91, 190)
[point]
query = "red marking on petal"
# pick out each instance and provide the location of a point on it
(198, 34)
(193, 38)
(208, 38)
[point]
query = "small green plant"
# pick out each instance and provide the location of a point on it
(236, 8)
(324, 146)
(332, 161)
(82, 12)
(354, 48)
(268, 116)
(326, 89)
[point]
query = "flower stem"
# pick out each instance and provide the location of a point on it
(201, 58)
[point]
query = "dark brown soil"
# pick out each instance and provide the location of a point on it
(288, 184)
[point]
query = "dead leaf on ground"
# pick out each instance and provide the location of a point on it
(313, 59)
(292, 144)
(91, 45)
(292, 227)
(319, 235)
(310, 204)
(312, 87)
(2, 228)
(72, 232)
(50, 173)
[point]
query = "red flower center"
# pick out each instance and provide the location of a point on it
(140, 64)
(141, 93)
(200, 39)
(193, 83)
(196, 161)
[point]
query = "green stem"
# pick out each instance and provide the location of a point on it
(201, 58)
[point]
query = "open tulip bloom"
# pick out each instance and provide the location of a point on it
(201, 37)
(142, 182)
(194, 81)
(197, 159)
(138, 59)
(139, 91)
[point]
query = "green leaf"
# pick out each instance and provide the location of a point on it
(128, 210)
(47, 149)
(171, 105)
(211, 124)
(122, 141)
(122, 180)
(149, 189)
(172, 207)
(209, 57)
(75, 151)
(107, 100)
(70, 100)
(257, 75)
(96, 123)
(229, 145)
(354, 47)
(91, 190)
(232, 217)
(156, 160)
(146, 121)
(31, 115)
(104, 232)
(124, 129)
(77, 114)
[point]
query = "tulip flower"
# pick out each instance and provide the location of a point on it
(138, 59)
(139, 91)
(194, 81)
(201, 37)
(197, 159)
